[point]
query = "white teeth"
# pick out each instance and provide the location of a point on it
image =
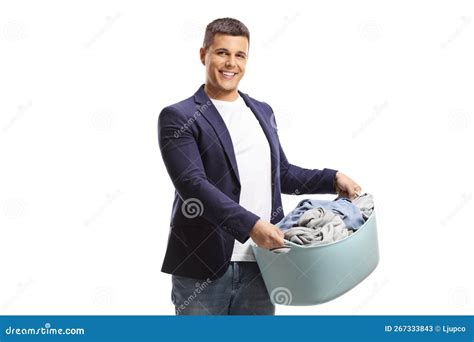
(228, 73)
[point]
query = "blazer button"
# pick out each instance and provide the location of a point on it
(235, 191)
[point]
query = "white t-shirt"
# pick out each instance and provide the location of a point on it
(252, 153)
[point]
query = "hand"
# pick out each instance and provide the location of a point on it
(346, 187)
(266, 235)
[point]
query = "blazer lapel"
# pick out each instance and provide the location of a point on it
(210, 113)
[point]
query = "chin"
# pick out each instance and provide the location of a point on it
(227, 87)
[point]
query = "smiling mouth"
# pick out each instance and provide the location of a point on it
(228, 75)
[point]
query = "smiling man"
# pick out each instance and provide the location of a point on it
(222, 152)
(224, 57)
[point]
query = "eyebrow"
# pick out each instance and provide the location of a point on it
(226, 50)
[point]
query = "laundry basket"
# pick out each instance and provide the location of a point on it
(308, 275)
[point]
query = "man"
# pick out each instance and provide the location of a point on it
(223, 154)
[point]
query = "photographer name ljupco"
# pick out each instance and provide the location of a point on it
(425, 328)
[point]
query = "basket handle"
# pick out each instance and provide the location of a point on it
(286, 244)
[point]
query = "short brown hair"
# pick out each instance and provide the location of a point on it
(229, 26)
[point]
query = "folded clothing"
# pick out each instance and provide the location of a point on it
(320, 217)
(318, 222)
(349, 213)
(316, 227)
(365, 203)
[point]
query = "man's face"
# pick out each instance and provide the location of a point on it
(225, 62)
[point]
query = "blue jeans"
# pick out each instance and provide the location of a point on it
(240, 291)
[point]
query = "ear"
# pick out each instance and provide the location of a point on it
(202, 55)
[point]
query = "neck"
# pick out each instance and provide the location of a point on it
(223, 95)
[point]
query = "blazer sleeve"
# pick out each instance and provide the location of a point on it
(183, 162)
(296, 180)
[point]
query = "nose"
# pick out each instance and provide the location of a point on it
(230, 62)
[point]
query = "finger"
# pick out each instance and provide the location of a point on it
(345, 193)
(355, 193)
(281, 243)
(357, 190)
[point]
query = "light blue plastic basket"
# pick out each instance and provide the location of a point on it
(312, 275)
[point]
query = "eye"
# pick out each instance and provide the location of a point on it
(221, 53)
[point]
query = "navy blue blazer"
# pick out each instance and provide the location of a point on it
(206, 217)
